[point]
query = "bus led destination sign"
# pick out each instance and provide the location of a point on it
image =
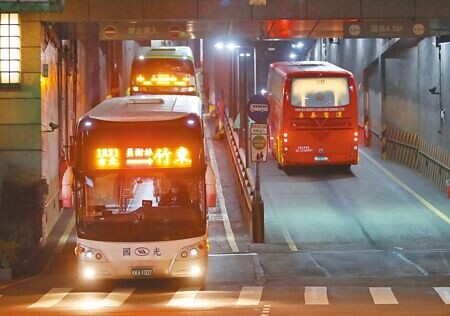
(384, 29)
(143, 157)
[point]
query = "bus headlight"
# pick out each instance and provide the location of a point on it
(90, 254)
(196, 271)
(88, 273)
(192, 252)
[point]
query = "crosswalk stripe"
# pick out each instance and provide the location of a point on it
(250, 295)
(444, 293)
(316, 295)
(383, 295)
(117, 297)
(51, 298)
(184, 297)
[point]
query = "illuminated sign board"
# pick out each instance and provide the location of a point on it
(386, 29)
(143, 157)
(164, 79)
(257, 2)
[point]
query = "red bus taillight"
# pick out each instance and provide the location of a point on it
(285, 138)
(285, 141)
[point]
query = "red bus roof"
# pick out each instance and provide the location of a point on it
(304, 67)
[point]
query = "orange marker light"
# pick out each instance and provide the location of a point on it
(140, 78)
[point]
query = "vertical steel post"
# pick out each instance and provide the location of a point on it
(257, 211)
(243, 108)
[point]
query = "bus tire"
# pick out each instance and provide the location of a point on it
(345, 168)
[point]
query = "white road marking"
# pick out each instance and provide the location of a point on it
(283, 228)
(117, 297)
(53, 297)
(405, 187)
(383, 295)
(422, 270)
(63, 239)
(184, 297)
(316, 295)
(221, 198)
(250, 295)
(266, 310)
(444, 293)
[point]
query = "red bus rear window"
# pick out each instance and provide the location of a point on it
(320, 92)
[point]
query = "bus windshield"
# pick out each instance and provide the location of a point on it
(320, 92)
(124, 207)
(163, 76)
(155, 66)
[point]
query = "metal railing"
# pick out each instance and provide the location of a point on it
(249, 185)
(245, 174)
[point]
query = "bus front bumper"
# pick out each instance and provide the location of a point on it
(143, 269)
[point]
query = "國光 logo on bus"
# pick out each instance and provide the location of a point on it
(142, 251)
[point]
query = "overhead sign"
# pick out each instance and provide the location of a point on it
(258, 108)
(257, 2)
(110, 31)
(143, 31)
(386, 29)
(258, 141)
(175, 31)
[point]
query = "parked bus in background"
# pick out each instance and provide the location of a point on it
(164, 70)
(140, 191)
(313, 114)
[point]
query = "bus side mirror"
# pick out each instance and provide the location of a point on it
(210, 181)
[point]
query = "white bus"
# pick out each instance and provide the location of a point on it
(164, 70)
(140, 191)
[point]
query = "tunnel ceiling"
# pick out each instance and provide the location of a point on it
(236, 18)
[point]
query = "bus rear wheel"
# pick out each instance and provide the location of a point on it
(345, 168)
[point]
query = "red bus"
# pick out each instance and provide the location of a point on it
(313, 114)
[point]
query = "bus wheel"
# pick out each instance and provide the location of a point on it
(279, 166)
(345, 168)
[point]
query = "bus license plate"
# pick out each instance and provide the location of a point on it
(141, 272)
(321, 158)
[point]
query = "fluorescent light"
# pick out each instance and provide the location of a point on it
(219, 45)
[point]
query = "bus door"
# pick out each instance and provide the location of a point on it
(319, 120)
